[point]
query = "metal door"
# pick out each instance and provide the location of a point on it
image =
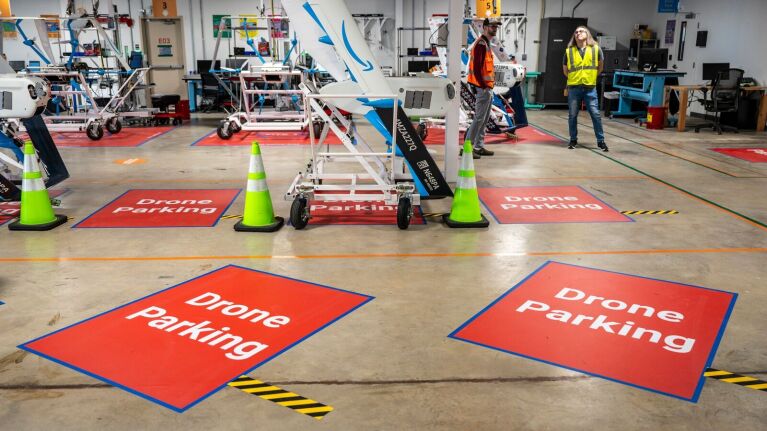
(164, 49)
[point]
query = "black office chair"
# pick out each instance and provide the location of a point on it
(212, 93)
(725, 97)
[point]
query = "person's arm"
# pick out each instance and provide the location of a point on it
(564, 70)
(564, 64)
(478, 63)
(601, 61)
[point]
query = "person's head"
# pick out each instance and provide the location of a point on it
(581, 35)
(490, 27)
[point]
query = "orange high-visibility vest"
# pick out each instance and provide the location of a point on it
(488, 67)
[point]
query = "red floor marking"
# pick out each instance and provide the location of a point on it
(263, 138)
(756, 155)
(525, 135)
(163, 208)
(652, 334)
(10, 210)
(358, 213)
(128, 137)
(547, 204)
(182, 344)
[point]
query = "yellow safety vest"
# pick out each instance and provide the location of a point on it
(582, 70)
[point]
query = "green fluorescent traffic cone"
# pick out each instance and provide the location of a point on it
(465, 211)
(258, 215)
(36, 210)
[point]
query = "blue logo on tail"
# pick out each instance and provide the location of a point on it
(368, 66)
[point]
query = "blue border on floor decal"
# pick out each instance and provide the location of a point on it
(206, 136)
(146, 141)
(193, 403)
(709, 360)
(215, 223)
(629, 219)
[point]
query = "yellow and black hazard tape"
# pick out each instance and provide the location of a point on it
(282, 397)
(433, 214)
(230, 216)
(745, 381)
(650, 212)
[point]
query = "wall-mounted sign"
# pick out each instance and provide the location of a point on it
(668, 6)
(227, 33)
(161, 8)
(488, 8)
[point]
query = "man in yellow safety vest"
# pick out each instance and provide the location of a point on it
(582, 65)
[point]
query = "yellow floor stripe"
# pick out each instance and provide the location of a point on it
(739, 379)
(296, 402)
(316, 411)
(758, 387)
(716, 373)
(277, 397)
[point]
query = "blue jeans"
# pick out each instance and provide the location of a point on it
(576, 96)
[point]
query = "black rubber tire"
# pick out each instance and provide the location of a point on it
(299, 216)
(95, 131)
(317, 129)
(234, 127)
(224, 130)
(404, 213)
(422, 131)
(114, 125)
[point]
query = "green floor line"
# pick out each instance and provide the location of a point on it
(661, 151)
(600, 153)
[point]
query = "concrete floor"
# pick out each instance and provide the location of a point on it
(389, 365)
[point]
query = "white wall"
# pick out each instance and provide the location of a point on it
(734, 31)
(735, 36)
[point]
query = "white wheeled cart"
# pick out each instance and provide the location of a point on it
(382, 176)
(79, 110)
(267, 81)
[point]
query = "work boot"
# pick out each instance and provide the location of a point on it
(572, 145)
(602, 146)
(483, 152)
(474, 155)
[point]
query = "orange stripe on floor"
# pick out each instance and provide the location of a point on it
(377, 255)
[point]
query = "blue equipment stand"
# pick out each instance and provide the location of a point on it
(646, 87)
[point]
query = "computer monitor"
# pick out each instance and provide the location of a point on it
(711, 70)
(17, 65)
(203, 66)
(235, 63)
(653, 56)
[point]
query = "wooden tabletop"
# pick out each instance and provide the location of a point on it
(702, 86)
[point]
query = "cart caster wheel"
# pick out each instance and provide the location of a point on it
(317, 129)
(299, 213)
(95, 131)
(234, 127)
(404, 213)
(114, 125)
(224, 130)
(176, 122)
(422, 131)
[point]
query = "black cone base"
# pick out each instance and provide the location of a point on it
(457, 224)
(60, 220)
(278, 222)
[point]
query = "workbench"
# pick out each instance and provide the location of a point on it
(684, 91)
